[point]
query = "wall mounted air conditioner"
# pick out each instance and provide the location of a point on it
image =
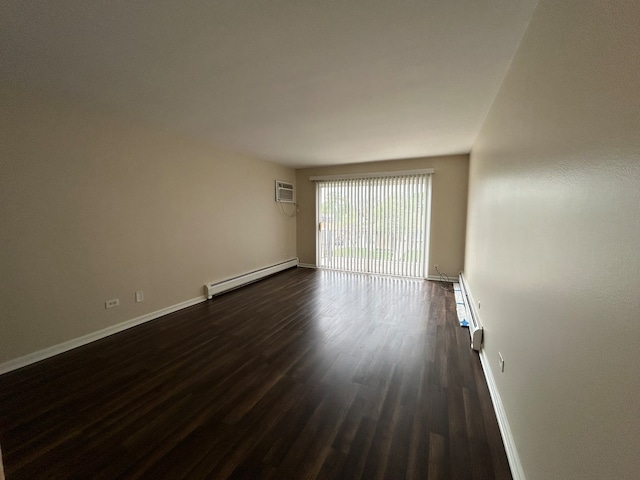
(284, 192)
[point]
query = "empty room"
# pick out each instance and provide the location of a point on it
(320, 239)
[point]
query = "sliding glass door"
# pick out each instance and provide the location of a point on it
(375, 225)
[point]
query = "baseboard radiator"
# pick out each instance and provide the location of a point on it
(465, 310)
(216, 288)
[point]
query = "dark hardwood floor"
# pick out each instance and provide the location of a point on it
(306, 374)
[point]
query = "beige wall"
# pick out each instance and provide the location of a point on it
(448, 212)
(553, 241)
(93, 209)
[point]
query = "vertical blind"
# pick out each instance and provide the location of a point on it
(375, 225)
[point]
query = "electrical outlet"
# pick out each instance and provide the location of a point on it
(114, 302)
(501, 362)
(139, 296)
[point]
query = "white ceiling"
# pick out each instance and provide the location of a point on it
(301, 82)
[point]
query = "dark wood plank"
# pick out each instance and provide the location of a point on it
(306, 374)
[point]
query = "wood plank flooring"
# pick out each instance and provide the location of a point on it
(307, 374)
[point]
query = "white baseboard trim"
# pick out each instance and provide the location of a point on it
(93, 336)
(501, 415)
(307, 265)
(503, 422)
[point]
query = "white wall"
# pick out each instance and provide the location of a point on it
(93, 208)
(553, 240)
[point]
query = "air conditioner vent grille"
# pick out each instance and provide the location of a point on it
(284, 192)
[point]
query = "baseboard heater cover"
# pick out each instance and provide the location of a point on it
(216, 288)
(464, 308)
